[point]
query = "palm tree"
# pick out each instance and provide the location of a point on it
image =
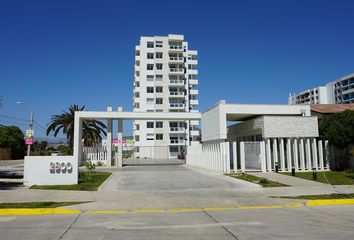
(91, 129)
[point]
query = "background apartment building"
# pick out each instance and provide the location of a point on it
(340, 91)
(165, 80)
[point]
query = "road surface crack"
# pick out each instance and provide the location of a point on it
(69, 227)
(221, 225)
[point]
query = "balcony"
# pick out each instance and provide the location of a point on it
(177, 82)
(177, 129)
(194, 62)
(193, 71)
(193, 81)
(136, 100)
(176, 59)
(177, 70)
(176, 94)
(177, 106)
(193, 92)
(177, 142)
(195, 132)
(136, 89)
(194, 102)
(176, 48)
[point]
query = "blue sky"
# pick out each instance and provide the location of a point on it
(57, 53)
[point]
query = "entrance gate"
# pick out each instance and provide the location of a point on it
(253, 157)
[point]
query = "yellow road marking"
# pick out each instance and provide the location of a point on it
(58, 211)
(330, 202)
(38, 211)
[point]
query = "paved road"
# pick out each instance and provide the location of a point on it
(288, 223)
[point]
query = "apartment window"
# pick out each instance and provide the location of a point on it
(137, 126)
(159, 100)
(150, 136)
(159, 89)
(150, 56)
(137, 138)
(158, 43)
(159, 77)
(150, 66)
(159, 110)
(150, 89)
(159, 124)
(150, 110)
(173, 149)
(159, 136)
(149, 124)
(149, 100)
(150, 44)
(159, 55)
(159, 66)
(150, 78)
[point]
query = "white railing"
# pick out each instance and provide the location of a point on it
(176, 58)
(176, 93)
(176, 105)
(176, 69)
(176, 81)
(176, 47)
(177, 129)
(95, 154)
(176, 141)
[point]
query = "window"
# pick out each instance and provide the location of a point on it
(159, 124)
(159, 89)
(159, 55)
(158, 77)
(159, 66)
(158, 43)
(150, 78)
(150, 136)
(159, 100)
(150, 89)
(150, 66)
(150, 44)
(149, 100)
(173, 149)
(150, 110)
(137, 138)
(159, 136)
(150, 56)
(159, 110)
(149, 124)
(137, 126)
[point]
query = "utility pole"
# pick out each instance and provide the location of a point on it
(30, 127)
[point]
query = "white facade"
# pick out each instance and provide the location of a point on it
(165, 80)
(340, 91)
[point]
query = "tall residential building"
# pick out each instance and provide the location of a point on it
(340, 91)
(165, 80)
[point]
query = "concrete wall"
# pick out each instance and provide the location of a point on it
(247, 128)
(294, 127)
(214, 124)
(50, 170)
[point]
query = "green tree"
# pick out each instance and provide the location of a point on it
(91, 129)
(12, 137)
(338, 129)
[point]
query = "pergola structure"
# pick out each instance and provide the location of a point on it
(120, 115)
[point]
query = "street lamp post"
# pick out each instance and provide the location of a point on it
(30, 127)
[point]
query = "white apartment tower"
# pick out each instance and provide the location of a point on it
(165, 80)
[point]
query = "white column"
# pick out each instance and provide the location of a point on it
(302, 155)
(269, 156)
(275, 152)
(288, 153)
(242, 156)
(314, 153)
(119, 160)
(223, 157)
(263, 157)
(77, 148)
(282, 155)
(109, 139)
(234, 154)
(296, 157)
(219, 156)
(320, 154)
(326, 154)
(308, 154)
(227, 156)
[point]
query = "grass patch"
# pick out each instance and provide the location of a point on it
(322, 196)
(87, 182)
(336, 178)
(261, 181)
(38, 204)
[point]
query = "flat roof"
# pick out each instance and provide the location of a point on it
(138, 115)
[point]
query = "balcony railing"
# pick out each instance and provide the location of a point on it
(177, 129)
(175, 93)
(176, 141)
(176, 58)
(176, 105)
(176, 69)
(176, 47)
(177, 81)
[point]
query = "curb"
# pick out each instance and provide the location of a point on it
(64, 211)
